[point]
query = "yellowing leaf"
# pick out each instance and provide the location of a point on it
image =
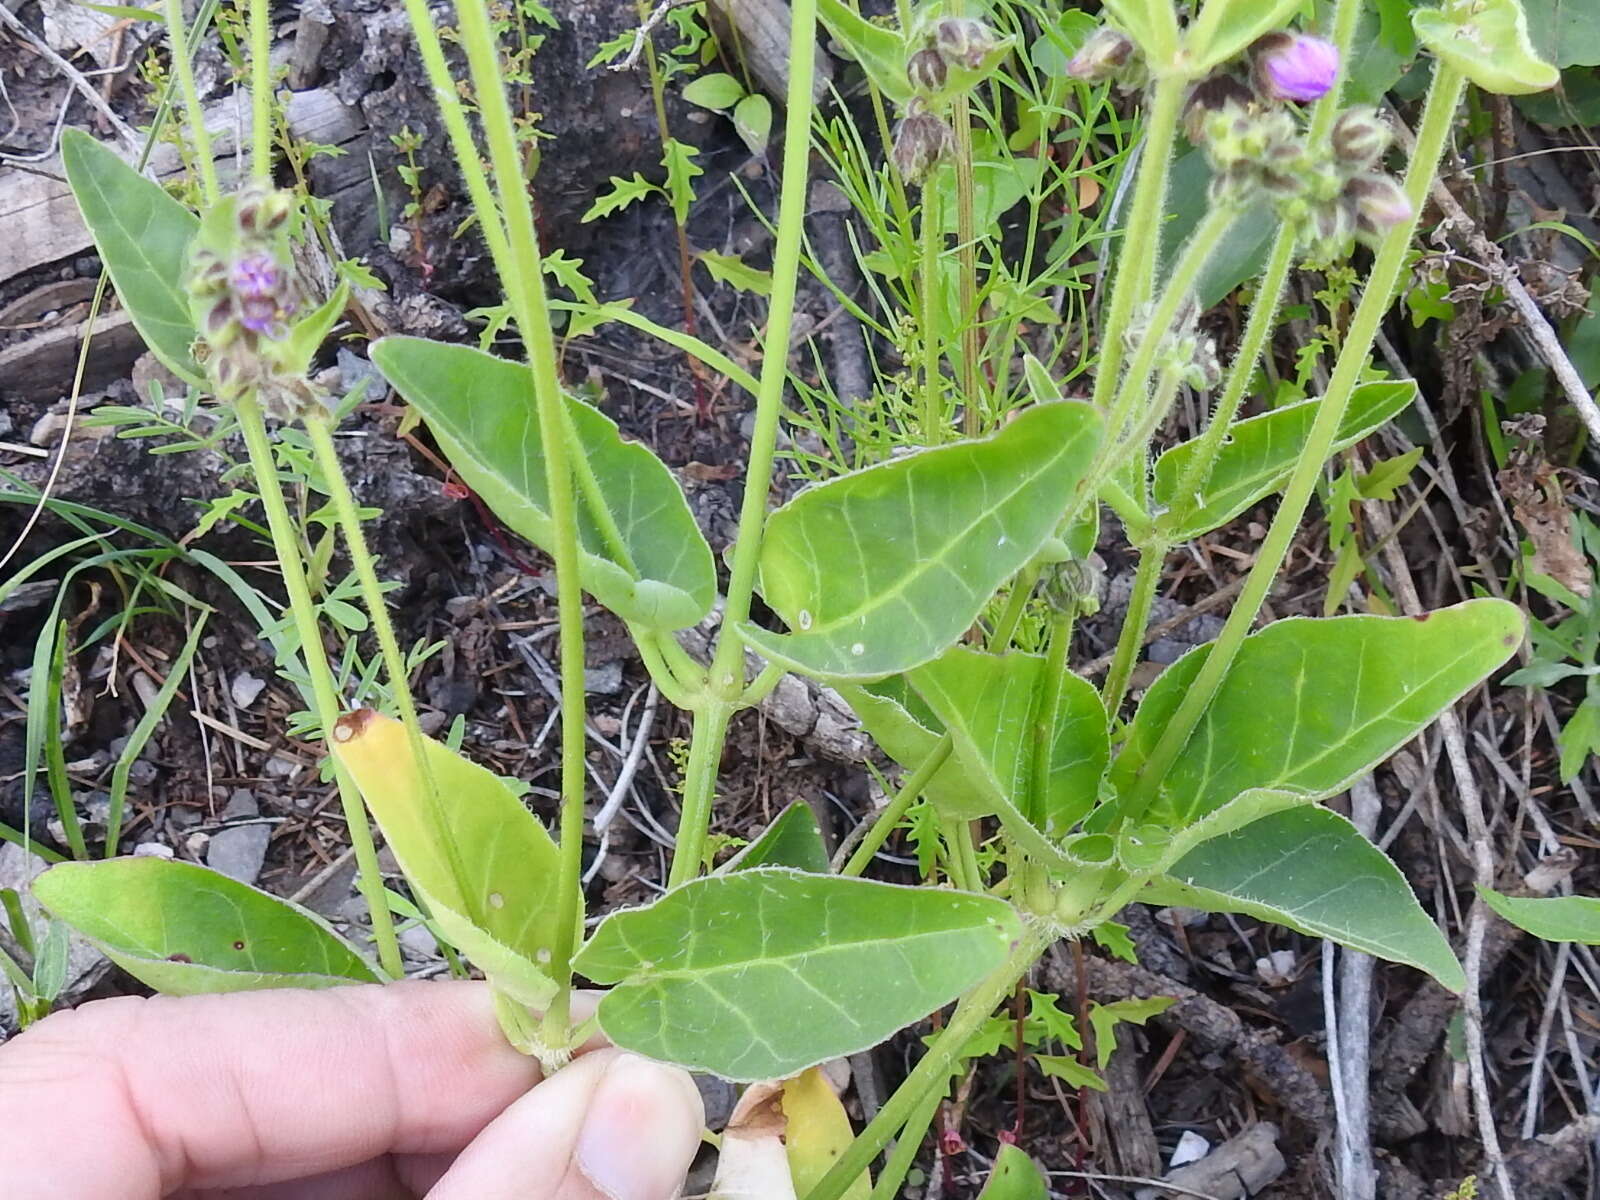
(488, 874)
(819, 1132)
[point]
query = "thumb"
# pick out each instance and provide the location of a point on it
(612, 1126)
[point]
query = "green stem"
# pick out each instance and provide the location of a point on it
(346, 513)
(933, 422)
(935, 1066)
(1196, 251)
(894, 811)
(1151, 559)
(260, 91)
(183, 68)
(706, 738)
(904, 1154)
(967, 255)
(1432, 135)
(324, 700)
(1044, 714)
(1263, 317)
(726, 686)
(521, 272)
(1141, 239)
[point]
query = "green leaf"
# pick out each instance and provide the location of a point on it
(183, 929)
(305, 336)
(1487, 41)
(1310, 705)
(1133, 1011)
(880, 51)
(1580, 737)
(1225, 27)
(792, 840)
(1015, 1177)
(989, 705)
(760, 974)
(1553, 918)
(1564, 33)
(731, 269)
(717, 91)
(752, 119)
(878, 571)
(623, 193)
(501, 910)
(125, 11)
(1310, 869)
(678, 159)
(143, 236)
(1070, 1071)
(657, 571)
(1152, 24)
(1259, 455)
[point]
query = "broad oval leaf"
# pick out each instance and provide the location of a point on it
(879, 50)
(792, 840)
(761, 974)
(1259, 455)
(717, 90)
(1311, 704)
(184, 929)
(878, 571)
(1553, 918)
(503, 914)
(482, 410)
(143, 236)
(1310, 869)
(1487, 41)
(989, 703)
(1015, 1177)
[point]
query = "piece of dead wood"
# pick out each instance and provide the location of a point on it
(757, 32)
(817, 715)
(1268, 1066)
(1541, 1167)
(41, 218)
(1122, 1111)
(42, 367)
(1242, 1166)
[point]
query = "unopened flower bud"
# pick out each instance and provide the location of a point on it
(262, 211)
(1359, 139)
(258, 314)
(965, 42)
(1328, 230)
(1380, 203)
(1291, 66)
(921, 142)
(927, 71)
(1220, 94)
(1100, 58)
(218, 326)
(1205, 369)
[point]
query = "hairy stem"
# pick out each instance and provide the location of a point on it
(933, 418)
(521, 270)
(967, 256)
(935, 1066)
(183, 68)
(1145, 581)
(1433, 133)
(725, 686)
(1141, 238)
(324, 700)
(894, 811)
(260, 91)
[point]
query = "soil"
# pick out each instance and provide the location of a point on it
(1245, 1045)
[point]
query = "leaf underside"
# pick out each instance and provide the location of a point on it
(185, 929)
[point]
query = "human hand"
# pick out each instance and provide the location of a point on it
(353, 1093)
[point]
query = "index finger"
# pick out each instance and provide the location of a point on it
(128, 1099)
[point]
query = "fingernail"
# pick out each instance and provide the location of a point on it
(639, 1135)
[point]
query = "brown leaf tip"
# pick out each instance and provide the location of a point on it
(352, 725)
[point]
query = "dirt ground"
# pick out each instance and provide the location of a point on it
(1243, 1058)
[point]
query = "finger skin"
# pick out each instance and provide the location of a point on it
(612, 1126)
(131, 1099)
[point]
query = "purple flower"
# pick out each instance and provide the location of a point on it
(259, 314)
(256, 277)
(1295, 66)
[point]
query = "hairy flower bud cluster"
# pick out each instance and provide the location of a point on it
(921, 142)
(1294, 66)
(244, 298)
(1108, 54)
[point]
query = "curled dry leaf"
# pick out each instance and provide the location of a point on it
(1540, 507)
